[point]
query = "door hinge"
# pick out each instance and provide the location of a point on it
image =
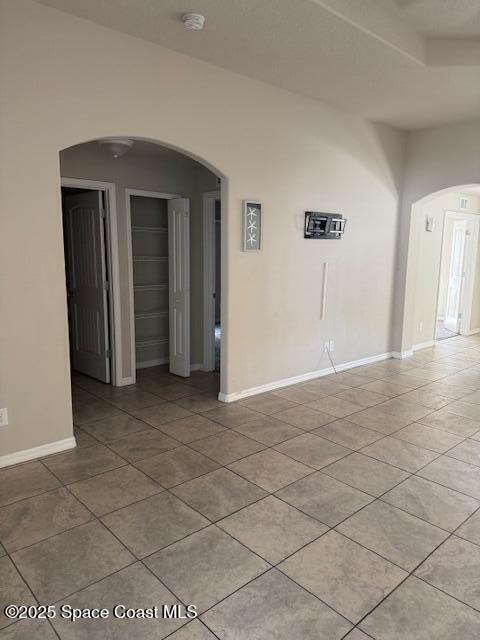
(108, 353)
(106, 286)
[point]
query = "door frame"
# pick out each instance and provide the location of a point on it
(469, 261)
(131, 297)
(112, 268)
(209, 273)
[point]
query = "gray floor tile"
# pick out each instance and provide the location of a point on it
(312, 450)
(29, 630)
(298, 394)
(348, 434)
(438, 505)
(304, 417)
(335, 406)
(232, 415)
(79, 464)
(373, 418)
(393, 534)
(143, 445)
(470, 530)
(177, 466)
(268, 403)
(427, 437)
(161, 413)
(268, 430)
(70, 561)
(400, 454)
(362, 397)
(13, 589)
(272, 528)
(190, 429)
(390, 389)
(270, 470)
(403, 409)
(465, 409)
(356, 634)
(467, 451)
(454, 474)
(426, 398)
(272, 607)
(116, 427)
(227, 447)
(447, 389)
(349, 578)
(114, 489)
(153, 523)
(219, 493)
(193, 631)
(407, 380)
(206, 567)
(82, 438)
(326, 386)
(350, 379)
(134, 587)
(28, 521)
(97, 410)
(133, 400)
(455, 568)
(24, 481)
(364, 473)
(451, 422)
(200, 403)
(324, 498)
(417, 611)
(172, 392)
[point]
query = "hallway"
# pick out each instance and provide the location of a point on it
(348, 501)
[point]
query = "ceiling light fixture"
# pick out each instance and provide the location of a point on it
(118, 147)
(193, 21)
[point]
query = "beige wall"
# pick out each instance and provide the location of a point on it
(425, 255)
(68, 81)
(144, 168)
(437, 158)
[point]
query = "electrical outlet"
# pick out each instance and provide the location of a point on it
(3, 417)
(331, 346)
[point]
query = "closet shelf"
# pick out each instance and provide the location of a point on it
(151, 287)
(150, 342)
(151, 229)
(151, 314)
(150, 259)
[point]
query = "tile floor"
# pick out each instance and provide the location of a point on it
(345, 507)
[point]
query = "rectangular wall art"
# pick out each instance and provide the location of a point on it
(252, 225)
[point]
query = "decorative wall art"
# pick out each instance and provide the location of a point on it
(252, 225)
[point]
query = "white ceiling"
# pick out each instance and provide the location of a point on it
(407, 63)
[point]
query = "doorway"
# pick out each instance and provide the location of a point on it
(159, 273)
(212, 286)
(88, 279)
(457, 270)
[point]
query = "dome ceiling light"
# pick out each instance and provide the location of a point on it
(117, 147)
(193, 21)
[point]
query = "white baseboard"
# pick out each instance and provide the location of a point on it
(38, 452)
(124, 382)
(152, 363)
(198, 366)
(400, 355)
(423, 345)
(472, 332)
(304, 377)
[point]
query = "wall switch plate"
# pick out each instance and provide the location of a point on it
(3, 417)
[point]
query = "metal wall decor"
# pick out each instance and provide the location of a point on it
(252, 225)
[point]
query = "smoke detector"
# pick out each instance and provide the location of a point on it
(193, 21)
(118, 147)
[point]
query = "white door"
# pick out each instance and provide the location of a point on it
(87, 284)
(179, 285)
(456, 275)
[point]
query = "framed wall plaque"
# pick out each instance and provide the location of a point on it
(252, 225)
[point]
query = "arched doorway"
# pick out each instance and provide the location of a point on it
(134, 192)
(442, 294)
